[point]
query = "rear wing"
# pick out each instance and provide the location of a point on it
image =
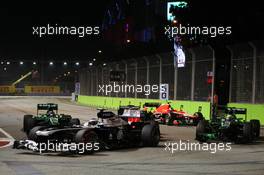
(234, 110)
(122, 108)
(129, 107)
(154, 104)
(131, 113)
(48, 106)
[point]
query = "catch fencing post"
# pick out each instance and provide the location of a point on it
(136, 73)
(213, 108)
(213, 72)
(193, 73)
(96, 78)
(147, 61)
(117, 69)
(126, 76)
(102, 77)
(231, 73)
(254, 72)
(160, 68)
(175, 78)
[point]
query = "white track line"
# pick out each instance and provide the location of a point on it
(7, 135)
(9, 138)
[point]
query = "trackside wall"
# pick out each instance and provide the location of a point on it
(114, 102)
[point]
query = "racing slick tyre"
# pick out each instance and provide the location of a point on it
(150, 135)
(201, 129)
(75, 121)
(247, 132)
(199, 116)
(87, 136)
(255, 127)
(32, 133)
(28, 123)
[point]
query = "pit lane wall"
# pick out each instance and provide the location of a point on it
(114, 103)
(254, 111)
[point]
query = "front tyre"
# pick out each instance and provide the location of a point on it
(28, 123)
(199, 116)
(89, 141)
(201, 130)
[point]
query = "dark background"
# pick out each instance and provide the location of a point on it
(17, 41)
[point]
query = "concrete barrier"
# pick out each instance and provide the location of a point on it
(114, 103)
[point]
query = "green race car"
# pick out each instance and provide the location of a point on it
(229, 128)
(48, 118)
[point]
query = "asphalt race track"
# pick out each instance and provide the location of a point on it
(241, 159)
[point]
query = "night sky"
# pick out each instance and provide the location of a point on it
(17, 41)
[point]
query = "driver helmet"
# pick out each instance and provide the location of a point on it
(50, 112)
(230, 117)
(93, 121)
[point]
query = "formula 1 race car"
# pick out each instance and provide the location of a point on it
(49, 118)
(111, 131)
(167, 115)
(229, 128)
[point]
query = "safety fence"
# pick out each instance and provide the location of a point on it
(193, 82)
(190, 82)
(247, 73)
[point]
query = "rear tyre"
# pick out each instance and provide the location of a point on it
(150, 135)
(87, 137)
(28, 123)
(247, 132)
(201, 129)
(199, 116)
(255, 127)
(120, 111)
